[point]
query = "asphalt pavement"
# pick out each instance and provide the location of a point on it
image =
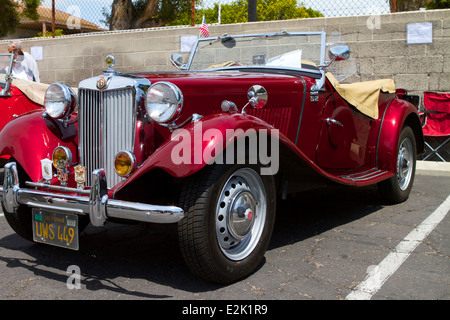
(333, 244)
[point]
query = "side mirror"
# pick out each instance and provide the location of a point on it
(257, 96)
(339, 53)
(177, 61)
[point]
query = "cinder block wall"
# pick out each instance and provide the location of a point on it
(379, 52)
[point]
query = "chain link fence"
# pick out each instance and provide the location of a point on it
(20, 20)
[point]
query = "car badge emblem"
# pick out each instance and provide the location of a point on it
(63, 177)
(80, 176)
(47, 170)
(101, 83)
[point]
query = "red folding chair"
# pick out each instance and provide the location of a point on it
(436, 125)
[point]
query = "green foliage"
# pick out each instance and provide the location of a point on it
(30, 10)
(48, 34)
(237, 12)
(178, 12)
(438, 4)
(173, 8)
(283, 10)
(10, 19)
(168, 10)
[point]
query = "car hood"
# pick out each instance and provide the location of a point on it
(219, 82)
(203, 92)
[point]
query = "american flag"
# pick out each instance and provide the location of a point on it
(204, 29)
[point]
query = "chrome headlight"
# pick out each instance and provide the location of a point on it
(60, 100)
(164, 102)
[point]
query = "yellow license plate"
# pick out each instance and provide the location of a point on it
(55, 228)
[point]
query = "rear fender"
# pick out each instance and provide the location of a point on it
(30, 138)
(397, 114)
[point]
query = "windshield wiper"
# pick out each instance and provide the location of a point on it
(219, 38)
(230, 42)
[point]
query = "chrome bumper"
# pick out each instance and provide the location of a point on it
(93, 202)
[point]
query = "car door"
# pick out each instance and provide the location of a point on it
(344, 135)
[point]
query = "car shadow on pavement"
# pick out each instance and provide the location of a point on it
(109, 254)
(310, 213)
(107, 257)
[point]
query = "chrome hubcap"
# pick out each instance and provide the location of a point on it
(240, 214)
(404, 164)
(241, 217)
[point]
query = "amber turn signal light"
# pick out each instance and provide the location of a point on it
(125, 163)
(61, 157)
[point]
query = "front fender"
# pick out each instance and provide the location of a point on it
(14, 105)
(192, 147)
(397, 114)
(30, 138)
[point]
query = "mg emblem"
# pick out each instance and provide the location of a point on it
(101, 83)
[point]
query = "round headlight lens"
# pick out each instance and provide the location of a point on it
(61, 157)
(164, 102)
(124, 163)
(59, 100)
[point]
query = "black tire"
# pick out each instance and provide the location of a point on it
(219, 241)
(20, 221)
(398, 188)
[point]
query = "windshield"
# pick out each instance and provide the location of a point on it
(341, 70)
(5, 71)
(284, 50)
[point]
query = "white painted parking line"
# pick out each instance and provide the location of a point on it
(380, 273)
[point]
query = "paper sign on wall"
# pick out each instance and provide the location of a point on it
(36, 53)
(187, 43)
(421, 32)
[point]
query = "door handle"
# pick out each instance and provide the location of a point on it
(329, 121)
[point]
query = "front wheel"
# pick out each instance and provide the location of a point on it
(230, 213)
(398, 188)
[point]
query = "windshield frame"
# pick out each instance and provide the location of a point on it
(211, 40)
(4, 85)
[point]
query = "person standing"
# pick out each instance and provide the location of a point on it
(20, 69)
(29, 61)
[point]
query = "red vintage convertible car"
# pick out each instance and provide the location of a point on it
(248, 119)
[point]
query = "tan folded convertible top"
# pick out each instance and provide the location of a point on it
(363, 95)
(33, 90)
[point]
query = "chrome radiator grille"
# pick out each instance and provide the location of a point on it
(106, 126)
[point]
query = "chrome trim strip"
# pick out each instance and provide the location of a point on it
(97, 205)
(365, 175)
(316, 74)
(56, 188)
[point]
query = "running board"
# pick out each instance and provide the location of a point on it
(365, 175)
